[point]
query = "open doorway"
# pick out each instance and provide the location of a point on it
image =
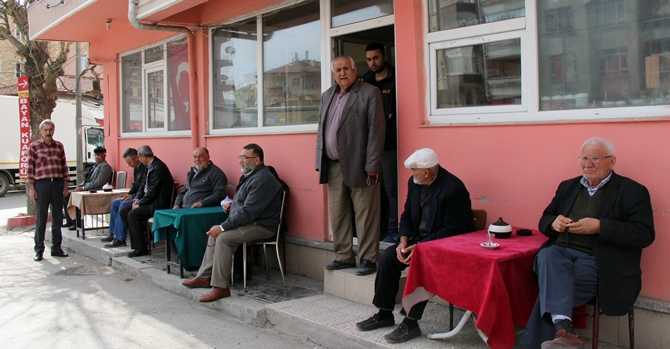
(354, 44)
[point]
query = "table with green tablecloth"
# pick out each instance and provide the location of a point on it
(187, 227)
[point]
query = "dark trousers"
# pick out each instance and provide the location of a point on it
(567, 278)
(386, 284)
(48, 193)
(390, 179)
(135, 220)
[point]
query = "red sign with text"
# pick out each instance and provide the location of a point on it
(24, 122)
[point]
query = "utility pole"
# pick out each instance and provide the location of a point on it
(77, 99)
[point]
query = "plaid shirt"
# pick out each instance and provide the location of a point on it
(46, 161)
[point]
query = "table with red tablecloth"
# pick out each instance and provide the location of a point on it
(498, 285)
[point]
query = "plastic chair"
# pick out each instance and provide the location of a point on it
(120, 182)
(595, 314)
(271, 241)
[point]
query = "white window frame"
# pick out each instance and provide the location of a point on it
(146, 69)
(526, 28)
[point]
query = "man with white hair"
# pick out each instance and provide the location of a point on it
(349, 153)
(598, 224)
(205, 183)
(437, 206)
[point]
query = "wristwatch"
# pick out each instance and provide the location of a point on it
(221, 226)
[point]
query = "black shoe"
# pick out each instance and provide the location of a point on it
(110, 238)
(366, 268)
(116, 243)
(337, 265)
(38, 257)
(402, 334)
(374, 323)
(60, 253)
(137, 253)
(72, 227)
(67, 225)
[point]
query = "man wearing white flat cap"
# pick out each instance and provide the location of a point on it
(437, 206)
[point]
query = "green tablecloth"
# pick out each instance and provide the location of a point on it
(187, 227)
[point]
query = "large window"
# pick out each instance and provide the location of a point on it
(155, 89)
(285, 46)
(525, 60)
(616, 56)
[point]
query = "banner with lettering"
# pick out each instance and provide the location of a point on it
(24, 122)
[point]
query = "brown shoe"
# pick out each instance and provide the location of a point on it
(197, 282)
(214, 294)
(564, 340)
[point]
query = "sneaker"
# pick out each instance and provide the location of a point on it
(337, 265)
(374, 323)
(116, 243)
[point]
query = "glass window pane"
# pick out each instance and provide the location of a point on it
(153, 54)
(179, 111)
(488, 74)
(292, 66)
(235, 76)
(448, 14)
(604, 53)
(131, 92)
(347, 11)
(155, 100)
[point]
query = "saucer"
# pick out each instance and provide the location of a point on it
(492, 246)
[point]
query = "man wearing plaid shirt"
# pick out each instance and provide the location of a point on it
(47, 185)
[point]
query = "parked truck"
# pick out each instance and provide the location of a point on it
(92, 136)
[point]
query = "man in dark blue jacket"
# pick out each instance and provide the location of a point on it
(205, 183)
(437, 206)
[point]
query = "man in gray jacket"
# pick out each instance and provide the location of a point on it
(253, 215)
(205, 183)
(99, 175)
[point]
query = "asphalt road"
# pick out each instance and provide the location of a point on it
(77, 302)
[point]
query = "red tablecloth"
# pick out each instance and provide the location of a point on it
(498, 285)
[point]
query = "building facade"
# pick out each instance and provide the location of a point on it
(505, 91)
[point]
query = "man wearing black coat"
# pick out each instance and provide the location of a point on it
(437, 206)
(156, 195)
(598, 224)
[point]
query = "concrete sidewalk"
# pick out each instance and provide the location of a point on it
(300, 309)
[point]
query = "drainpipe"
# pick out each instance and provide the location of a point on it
(193, 100)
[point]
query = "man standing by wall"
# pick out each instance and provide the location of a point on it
(382, 75)
(349, 151)
(47, 185)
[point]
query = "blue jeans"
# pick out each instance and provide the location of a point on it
(116, 225)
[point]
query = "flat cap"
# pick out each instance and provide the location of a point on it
(99, 150)
(422, 158)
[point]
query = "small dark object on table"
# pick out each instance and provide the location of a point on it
(524, 232)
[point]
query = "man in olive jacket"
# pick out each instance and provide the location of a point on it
(598, 224)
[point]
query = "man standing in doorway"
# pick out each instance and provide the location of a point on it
(47, 185)
(382, 75)
(349, 150)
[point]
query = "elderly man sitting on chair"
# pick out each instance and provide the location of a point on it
(253, 215)
(598, 224)
(437, 206)
(205, 183)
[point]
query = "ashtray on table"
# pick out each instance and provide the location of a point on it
(489, 245)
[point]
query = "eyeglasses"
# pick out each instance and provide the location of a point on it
(593, 159)
(244, 157)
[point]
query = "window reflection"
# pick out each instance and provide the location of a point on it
(235, 76)
(449, 14)
(604, 53)
(488, 74)
(131, 71)
(155, 100)
(292, 66)
(347, 11)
